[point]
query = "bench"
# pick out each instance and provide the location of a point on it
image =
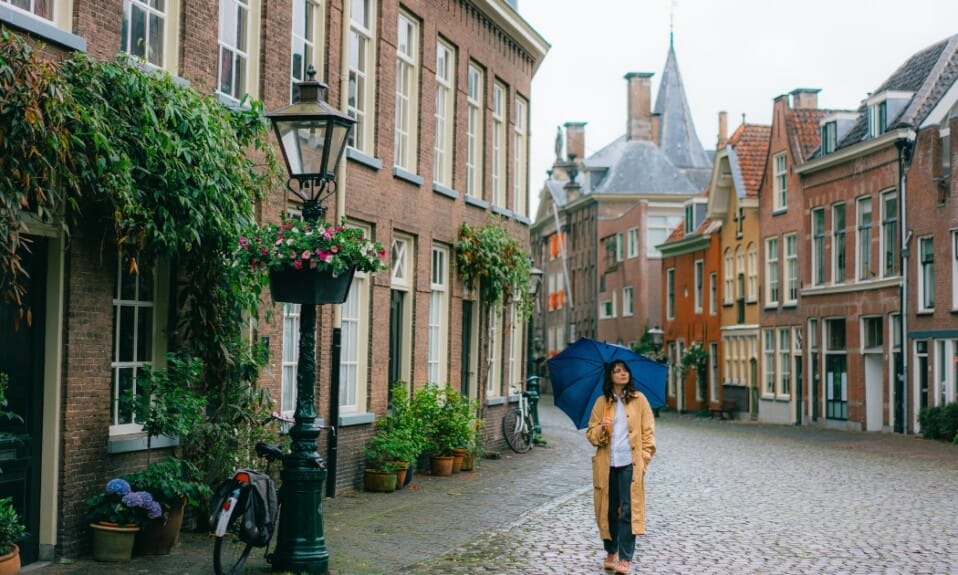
(726, 407)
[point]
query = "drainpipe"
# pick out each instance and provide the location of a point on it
(905, 145)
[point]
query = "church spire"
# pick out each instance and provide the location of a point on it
(677, 136)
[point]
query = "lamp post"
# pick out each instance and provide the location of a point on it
(312, 136)
(656, 335)
(532, 381)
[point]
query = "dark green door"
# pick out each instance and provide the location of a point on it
(396, 302)
(465, 369)
(21, 358)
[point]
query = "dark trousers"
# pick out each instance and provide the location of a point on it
(620, 513)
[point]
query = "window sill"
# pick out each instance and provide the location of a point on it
(477, 202)
(490, 401)
(43, 28)
(137, 442)
(401, 174)
(364, 159)
(444, 191)
(502, 211)
(349, 419)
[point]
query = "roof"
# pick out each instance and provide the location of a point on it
(748, 147)
(803, 131)
(677, 136)
(636, 167)
(928, 73)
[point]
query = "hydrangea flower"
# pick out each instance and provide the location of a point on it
(118, 487)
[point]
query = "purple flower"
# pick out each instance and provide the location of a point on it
(134, 499)
(153, 511)
(118, 487)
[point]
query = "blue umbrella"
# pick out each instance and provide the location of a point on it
(578, 371)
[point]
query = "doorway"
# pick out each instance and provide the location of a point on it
(22, 359)
(874, 392)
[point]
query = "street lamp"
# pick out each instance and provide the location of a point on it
(532, 381)
(312, 136)
(657, 336)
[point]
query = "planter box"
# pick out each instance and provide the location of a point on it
(310, 287)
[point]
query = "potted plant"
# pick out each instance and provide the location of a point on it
(11, 531)
(309, 262)
(116, 514)
(174, 484)
(167, 405)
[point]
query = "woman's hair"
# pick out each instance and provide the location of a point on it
(607, 385)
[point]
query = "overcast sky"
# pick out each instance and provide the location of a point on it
(734, 55)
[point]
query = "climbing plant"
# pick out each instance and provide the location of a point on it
(695, 359)
(144, 163)
(489, 259)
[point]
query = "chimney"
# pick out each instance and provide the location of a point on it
(639, 125)
(722, 129)
(575, 140)
(656, 129)
(805, 98)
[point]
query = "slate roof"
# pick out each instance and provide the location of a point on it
(677, 136)
(748, 147)
(928, 73)
(636, 167)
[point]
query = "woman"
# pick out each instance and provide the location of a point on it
(623, 430)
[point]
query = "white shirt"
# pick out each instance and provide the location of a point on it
(621, 449)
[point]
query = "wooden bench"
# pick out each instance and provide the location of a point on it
(727, 406)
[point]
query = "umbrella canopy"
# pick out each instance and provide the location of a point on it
(578, 372)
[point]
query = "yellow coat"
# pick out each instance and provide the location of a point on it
(641, 426)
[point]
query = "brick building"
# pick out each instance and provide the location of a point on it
(441, 92)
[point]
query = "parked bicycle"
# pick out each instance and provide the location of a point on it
(245, 510)
(517, 425)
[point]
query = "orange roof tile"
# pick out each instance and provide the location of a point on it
(750, 142)
(804, 135)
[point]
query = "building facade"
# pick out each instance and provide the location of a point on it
(441, 95)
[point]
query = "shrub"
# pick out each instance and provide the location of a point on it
(939, 422)
(11, 527)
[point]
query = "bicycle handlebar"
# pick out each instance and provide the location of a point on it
(278, 416)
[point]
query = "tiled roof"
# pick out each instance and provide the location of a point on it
(677, 136)
(803, 132)
(750, 143)
(928, 73)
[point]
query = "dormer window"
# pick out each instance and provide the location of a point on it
(689, 218)
(829, 137)
(883, 109)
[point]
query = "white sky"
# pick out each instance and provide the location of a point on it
(734, 55)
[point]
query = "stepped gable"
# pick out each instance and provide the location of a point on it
(928, 73)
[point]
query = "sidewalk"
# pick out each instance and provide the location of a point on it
(377, 533)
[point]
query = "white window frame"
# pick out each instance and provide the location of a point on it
(520, 165)
(407, 93)
(658, 228)
(699, 284)
(354, 351)
(308, 35)
(728, 294)
(632, 250)
(475, 123)
(445, 113)
(438, 328)
(954, 270)
(498, 173)
(839, 259)
(289, 359)
(818, 245)
(790, 276)
(780, 182)
(864, 215)
(166, 55)
(43, 9)
(889, 234)
(784, 390)
(670, 293)
(772, 286)
(926, 274)
(770, 355)
(628, 302)
(619, 247)
(238, 47)
(142, 308)
(494, 378)
(360, 78)
(752, 260)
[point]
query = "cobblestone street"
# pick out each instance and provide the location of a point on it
(723, 498)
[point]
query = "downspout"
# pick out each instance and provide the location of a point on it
(904, 145)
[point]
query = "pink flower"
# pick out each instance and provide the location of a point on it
(305, 255)
(298, 264)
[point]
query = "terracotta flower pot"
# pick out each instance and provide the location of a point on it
(441, 465)
(159, 537)
(113, 543)
(10, 563)
(381, 481)
(458, 455)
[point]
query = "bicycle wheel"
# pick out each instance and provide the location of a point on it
(516, 432)
(229, 551)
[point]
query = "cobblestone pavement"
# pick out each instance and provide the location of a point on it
(723, 498)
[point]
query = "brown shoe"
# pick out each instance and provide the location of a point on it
(623, 567)
(610, 560)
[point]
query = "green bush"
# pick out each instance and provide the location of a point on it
(171, 482)
(11, 528)
(447, 418)
(939, 422)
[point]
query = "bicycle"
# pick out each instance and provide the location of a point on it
(517, 425)
(238, 525)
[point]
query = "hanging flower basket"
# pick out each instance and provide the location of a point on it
(310, 286)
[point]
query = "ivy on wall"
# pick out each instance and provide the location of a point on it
(489, 259)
